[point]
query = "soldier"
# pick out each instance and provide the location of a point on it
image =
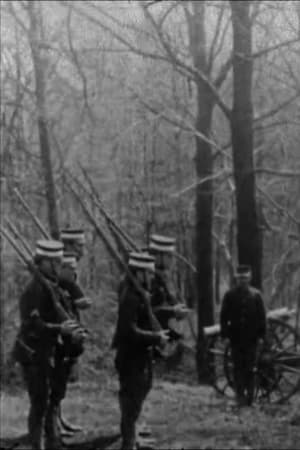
(73, 240)
(134, 340)
(67, 281)
(243, 322)
(165, 306)
(43, 326)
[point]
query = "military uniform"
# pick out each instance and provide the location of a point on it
(163, 304)
(134, 339)
(36, 350)
(162, 301)
(243, 321)
(66, 364)
(67, 368)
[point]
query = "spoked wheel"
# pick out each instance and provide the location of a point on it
(278, 367)
(220, 366)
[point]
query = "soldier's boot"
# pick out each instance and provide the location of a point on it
(53, 436)
(36, 438)
(36, 431)
(128, 433)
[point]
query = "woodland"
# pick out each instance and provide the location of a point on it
(184, 117)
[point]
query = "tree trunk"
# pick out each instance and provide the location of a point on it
(39, 71)
(248, 236)
(204, 223)
(204, 193)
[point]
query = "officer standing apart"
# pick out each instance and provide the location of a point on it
(42, 328)
(134, 340)
(243, 322)
(165, 305)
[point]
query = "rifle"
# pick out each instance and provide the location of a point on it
(116, 227)
(116, 257)
(25, 205)
(19, 237)
(76, 340)
(123, 236)
(110, 221)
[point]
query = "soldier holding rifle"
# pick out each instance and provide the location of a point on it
(165, 306)
(47, 332)
(134, 340)
(73, 240)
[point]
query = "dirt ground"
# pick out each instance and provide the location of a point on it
(180, 416)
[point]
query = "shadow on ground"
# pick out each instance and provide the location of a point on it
(92, 442)
(20, 442)
(89, 442)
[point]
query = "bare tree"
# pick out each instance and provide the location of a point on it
(248, 234)
(36, 40)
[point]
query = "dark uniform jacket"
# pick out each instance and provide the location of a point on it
(74, 292)
(39, 318)
(243, 317)
(134, 331)
(162, 301)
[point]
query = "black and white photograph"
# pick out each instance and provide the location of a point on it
(150, 224)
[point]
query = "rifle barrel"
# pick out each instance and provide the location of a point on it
(12, 242)
(19, 237)
(107, 216)
(117, 228)
(114, 254)
(34, 218)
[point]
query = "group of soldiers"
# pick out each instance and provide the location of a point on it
(50, 342)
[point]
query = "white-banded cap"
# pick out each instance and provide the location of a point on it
(72, 234)
(49, 248)
(69, 258)
(141, 261)
(162, 244)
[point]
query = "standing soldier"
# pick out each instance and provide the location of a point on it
(44, 326)
(134, 340)
(73, 241)
(165, 306)
(243, 322)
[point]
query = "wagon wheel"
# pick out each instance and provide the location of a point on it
(220, 366)
(278, 368)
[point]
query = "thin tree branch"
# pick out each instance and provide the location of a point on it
(265, 51)
(277, 108)
(211, 55)
(278, 206)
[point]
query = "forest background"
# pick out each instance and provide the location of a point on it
(186, 117)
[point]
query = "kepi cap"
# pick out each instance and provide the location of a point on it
(69, 258)
(141, 261)
(72, 234)
(49, 248)
(162, 244)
